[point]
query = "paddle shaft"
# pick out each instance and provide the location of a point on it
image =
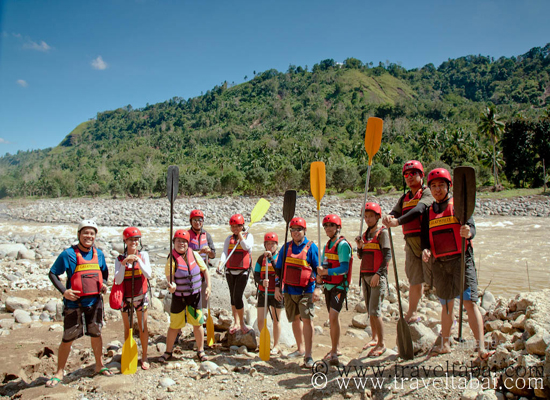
(284, 254)
(234, 248)
(319, 233)
(171, 257)
(365, 201)
(396, 277)
(462, 275)
(132, 302)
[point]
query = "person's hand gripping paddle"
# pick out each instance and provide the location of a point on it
(317, 177)
(129, 359)
(373, 138)
(404, 340)
(464, 194)
(172, 185)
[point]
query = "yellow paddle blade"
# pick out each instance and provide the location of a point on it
(129, 359)
(265, 343)
(209, 330)
(373, 136)
(318, 181)
(259, 210)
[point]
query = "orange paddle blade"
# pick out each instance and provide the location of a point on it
(373, 136)
(318, 181)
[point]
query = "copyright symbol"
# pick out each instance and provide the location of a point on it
(319, 380)
(320, 366)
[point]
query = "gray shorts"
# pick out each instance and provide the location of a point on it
(76, 319)
(374, 296)
(447, 278)
(417, 270)
(299, 304)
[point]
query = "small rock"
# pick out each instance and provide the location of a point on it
(167, 382)
(22, 316)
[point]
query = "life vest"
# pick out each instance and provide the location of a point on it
(140, 281)
(333, 262)
(408, 204)
(297, 270)
(372, 253)
(197, 242)
(267, 265)
(87, 277)
(445, 239)
(240, 258)
(187, 277)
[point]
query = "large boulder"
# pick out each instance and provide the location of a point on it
(360, 321)
(538, 343)
(423, 338)
(243, 339)
(12, 249)
(17, 303)
(22, 316)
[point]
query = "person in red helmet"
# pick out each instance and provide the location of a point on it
(237, 268)
(408, 213)
(187, 269)
(87, 275)
(265, 277)
(298, 271)
(134, 258)
(332, 274)
(201, 241)
(374, 250)
(442, 239)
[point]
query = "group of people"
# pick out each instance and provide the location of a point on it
(293, 281)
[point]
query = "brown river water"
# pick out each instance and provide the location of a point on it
(511, 253)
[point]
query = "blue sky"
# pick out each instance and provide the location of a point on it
(61, 61)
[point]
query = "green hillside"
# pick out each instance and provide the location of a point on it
(260, 136)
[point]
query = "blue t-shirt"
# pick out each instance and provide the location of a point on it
(312, 258)
(66, 263)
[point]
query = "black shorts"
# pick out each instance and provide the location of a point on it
(335, 298)
(271, 301)
(446, 275)
(74, 320)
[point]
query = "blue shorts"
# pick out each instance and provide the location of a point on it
(467, 296)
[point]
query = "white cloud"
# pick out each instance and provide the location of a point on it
(43, 46)
(98, 63)
(4, 141)
(22, 83)
(17, 35)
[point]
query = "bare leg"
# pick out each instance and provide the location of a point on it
(62, 357)
(308, 336)
(298, 333)
(476, 324)
(143, 334)
(198, 331)
(415, 293)
(240, 314)
(260, 318)
(170, 339)
(446, 325)
(276, 325)
(97, 348)
(334, 330)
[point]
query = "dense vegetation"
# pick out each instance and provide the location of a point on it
(260, 136)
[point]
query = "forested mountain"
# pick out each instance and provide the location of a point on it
(260, 136)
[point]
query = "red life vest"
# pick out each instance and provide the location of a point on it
(372, 254)
(197, 242)
(87, 277)
(241, 258)
(187, 277)
(297, 270)
(267, 265)
(140, 281)
(333, 262)
(408, 204)
(445, 239)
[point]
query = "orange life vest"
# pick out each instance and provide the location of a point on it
(408, 204)
(267, 265)
(297, 271)
(240, 258)
(445, 239)
(140, 281)
(333, 262)
(87, 277)
(372, 253)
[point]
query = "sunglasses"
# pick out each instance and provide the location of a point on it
(329, 225)
(410, 173)
(296, 229)
(197, 220)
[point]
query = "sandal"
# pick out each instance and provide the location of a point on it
(167, 356)
(145, 365)
(370, 344)
(232, 331)
(53, 382)
(275, 351)
(104, 371)
(202, 356)
(376, 352)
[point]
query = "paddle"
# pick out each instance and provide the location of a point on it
(404, 340)
(209, 328)
(317, 178)
(289, 206)
(172, 184)
(373, 138)
(464, 194)
(265, 339)
(257, 214)
(128, 362)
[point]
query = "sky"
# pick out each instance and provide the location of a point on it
(63, 61)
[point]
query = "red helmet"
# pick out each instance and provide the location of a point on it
(440, 173)
(332, 218)
(413, 164)
(196, 214)
(236, 219)
(299, 222)
(271, 236)
(182, 233)
(131, 231)
(374, 207)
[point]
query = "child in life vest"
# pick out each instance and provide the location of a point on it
(264, 276)
(374, 250)
(132, 258)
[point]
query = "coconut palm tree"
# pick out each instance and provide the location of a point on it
(491, 126)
